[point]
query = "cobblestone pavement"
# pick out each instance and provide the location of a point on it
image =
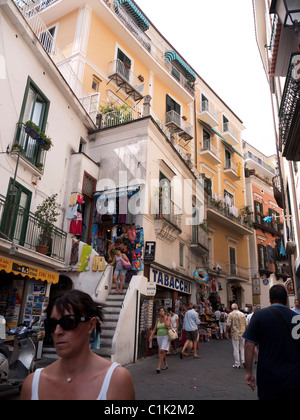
(209, 378)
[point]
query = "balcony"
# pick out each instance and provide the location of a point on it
(230, 134)
(277, 188)
(176, 124)
(168, 221)
(125, 79)
(235, 272)
(227, 215)
(209, 114)
(210, 153)
(199, 244)
(21, 227)
(233, 170)
(274, 227)
(289, 115)
(29, 149)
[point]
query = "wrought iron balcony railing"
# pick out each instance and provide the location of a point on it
(22, 228)
(290, 98)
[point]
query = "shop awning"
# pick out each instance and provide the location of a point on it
(120, 192)
(17, 268)
(173, 56)
(136, 14)
(221, 137)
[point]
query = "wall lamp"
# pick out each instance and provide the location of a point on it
(288, 12)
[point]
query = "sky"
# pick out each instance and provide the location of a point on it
(217, 39)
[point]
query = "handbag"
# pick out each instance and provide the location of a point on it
(126, 265)
(172, 334)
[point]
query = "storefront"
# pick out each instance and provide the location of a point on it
(170, 291)
(24, 293)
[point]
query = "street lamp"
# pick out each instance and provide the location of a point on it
(288, 12)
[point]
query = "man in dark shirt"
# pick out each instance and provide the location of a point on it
(274, 331)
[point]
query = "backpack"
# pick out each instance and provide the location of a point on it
(222, 317)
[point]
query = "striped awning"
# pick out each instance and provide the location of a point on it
(221, 137)
(135, 13)
(120, 192)
(173, 56)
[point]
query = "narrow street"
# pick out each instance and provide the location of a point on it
(209, 378)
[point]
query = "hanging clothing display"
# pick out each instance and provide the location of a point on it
(85, 258)
(74, 252)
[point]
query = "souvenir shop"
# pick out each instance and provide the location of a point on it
(171, 291)
(208, 301)
(24, 294)
(112, 227)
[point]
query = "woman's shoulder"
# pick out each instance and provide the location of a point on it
(121, 385)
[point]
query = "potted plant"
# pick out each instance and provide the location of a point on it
(32, 130)
(45, 142)
(46, 215)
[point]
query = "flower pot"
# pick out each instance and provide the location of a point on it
(42, 249)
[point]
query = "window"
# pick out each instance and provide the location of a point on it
(225, 124)
(229, 198)
(124, 69)
(164, 195)
(173, 105)
(35, 108)
(227, 159)
(181, 255)
(206, 140)
(204, 103)
(95, 85)
(262, 257)
(15, 215)
(232, 257)
(258, 209)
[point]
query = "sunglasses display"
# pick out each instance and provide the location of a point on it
(67, 323)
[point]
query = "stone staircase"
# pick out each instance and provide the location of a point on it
(113, 306)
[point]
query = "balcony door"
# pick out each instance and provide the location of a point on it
(15, 216)
(124, 69)
(232, 256)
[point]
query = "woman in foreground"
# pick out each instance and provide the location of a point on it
(79, 374)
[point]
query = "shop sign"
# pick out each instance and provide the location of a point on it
(149, 252)
(151, 289)
(17, 268)
(171, 282)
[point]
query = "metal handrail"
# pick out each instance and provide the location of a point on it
(24, 229)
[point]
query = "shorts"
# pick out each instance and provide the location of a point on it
(163, 342)
(222, 328)
(120, 272)
(191, 335)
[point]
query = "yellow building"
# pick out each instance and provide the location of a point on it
(113, 57)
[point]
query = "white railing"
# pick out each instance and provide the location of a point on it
(210, 108)
(30, 11)
(227, 128)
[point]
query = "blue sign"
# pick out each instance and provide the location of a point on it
(171, 282)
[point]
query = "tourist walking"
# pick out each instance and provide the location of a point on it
(161, 329)
(79, 374)
(120, 271)
(236, 324)
(278, 369)
(222, 324)
(174, 318)
(190, 325)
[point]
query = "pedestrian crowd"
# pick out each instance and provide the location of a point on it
(268, 339)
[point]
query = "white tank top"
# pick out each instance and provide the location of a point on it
(103, 393)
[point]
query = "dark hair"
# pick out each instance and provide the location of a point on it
(80, 303)
(278, 294)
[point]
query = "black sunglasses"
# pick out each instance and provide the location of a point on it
(67, 323)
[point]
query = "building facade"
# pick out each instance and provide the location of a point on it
(150, 152)
(277, 28)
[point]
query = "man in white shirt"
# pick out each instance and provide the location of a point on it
(190, 325)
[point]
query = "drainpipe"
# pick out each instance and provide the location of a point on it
(196, 133)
